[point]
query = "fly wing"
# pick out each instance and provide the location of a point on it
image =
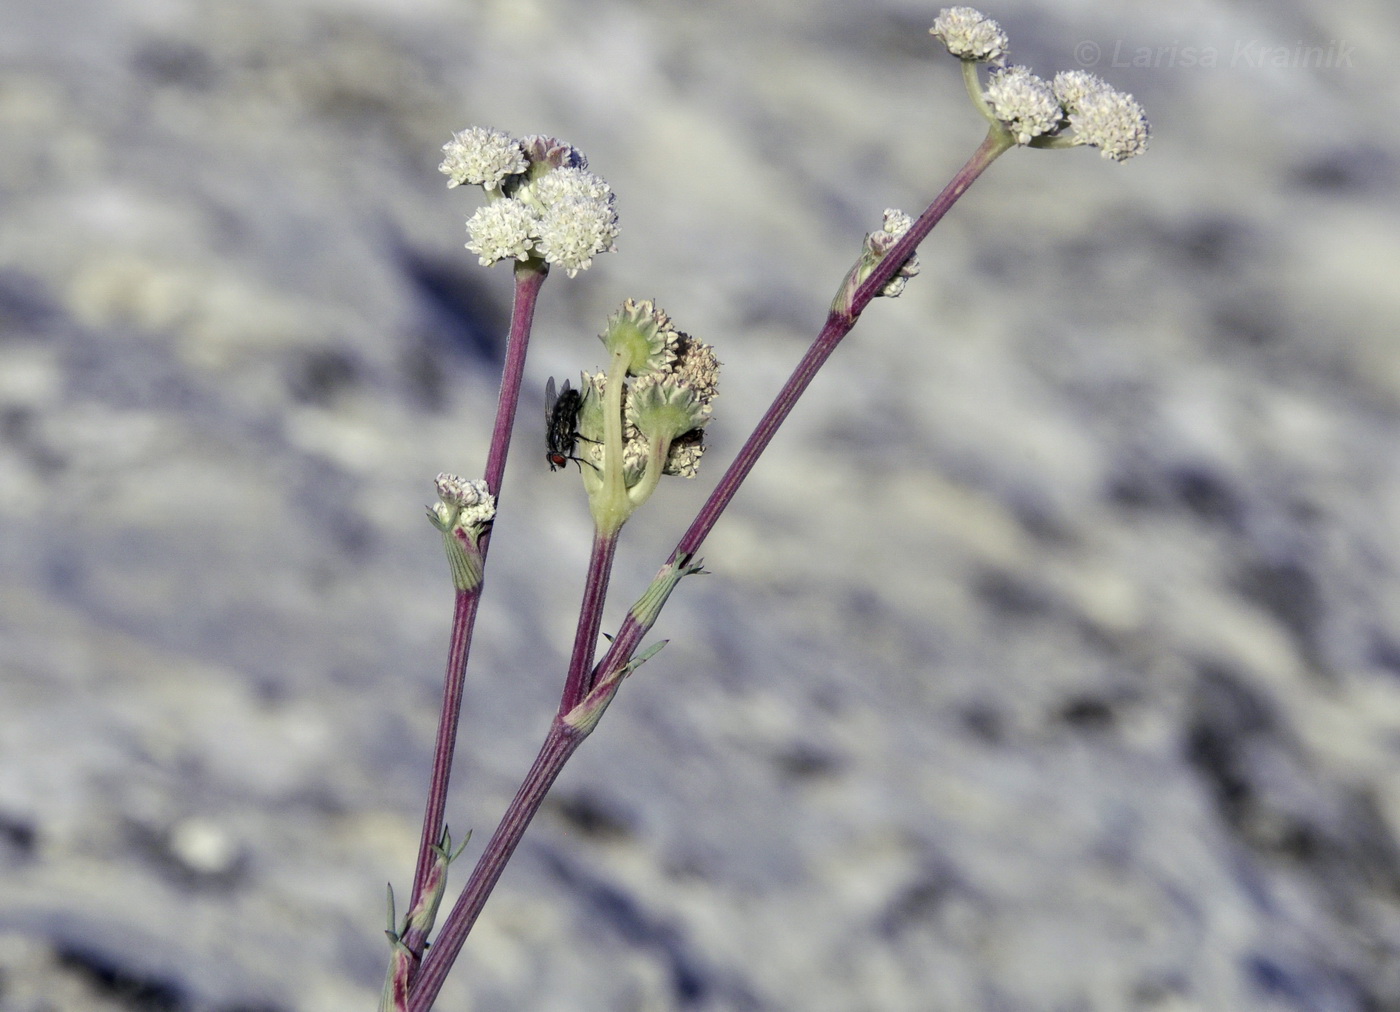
(550, 397)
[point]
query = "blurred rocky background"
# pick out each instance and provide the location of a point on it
(1050, 661)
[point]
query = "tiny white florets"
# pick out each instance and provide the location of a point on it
(502, 230)
(574, 230)
(1111, 121)
(467, 503)
(569, 183)
(1071, 87)
(970, 35)
(546, 204)
(697, 366)
(481, 156)
(896, 224)
(1024, 102)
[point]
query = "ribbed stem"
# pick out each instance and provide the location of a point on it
(590, 620)
(559, 745)
(529, 277)
(838, 325)
(564, 739)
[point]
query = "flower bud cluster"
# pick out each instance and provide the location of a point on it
(1076, 108)
(463, 512)
(462, 503)
(542, 201)
(877, 246)
(643, 416)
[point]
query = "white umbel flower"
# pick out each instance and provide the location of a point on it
(1024, 102)
(1111, 121)
(567, 183)
(970, 35)
(543, 203)
(1071, 87)
(481, 156)
(574, 230)
(502, 230)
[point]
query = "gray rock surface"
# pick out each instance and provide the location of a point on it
(1049, 663)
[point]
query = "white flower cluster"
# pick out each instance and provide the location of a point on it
(463, 502)
(481, 156)
(970, 35)
(1077, 108)
(1101, 116)
(543, 202)
(881, 242)
(1023, 102)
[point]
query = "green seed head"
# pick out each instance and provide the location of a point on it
(643, 335)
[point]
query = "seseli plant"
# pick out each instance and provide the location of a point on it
(641, 415)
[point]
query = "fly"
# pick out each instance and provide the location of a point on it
(561, 410)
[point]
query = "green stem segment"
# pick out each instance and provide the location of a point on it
(609, 503)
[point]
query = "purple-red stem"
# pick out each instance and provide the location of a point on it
(529, 276)
(558, 746)
(562, 740)
(528, 279)
(590, 620)
(838, 325)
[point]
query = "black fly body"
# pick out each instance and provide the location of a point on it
(561, 410)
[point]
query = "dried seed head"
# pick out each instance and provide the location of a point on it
(662, 406)
(697, 367)
(683, 460)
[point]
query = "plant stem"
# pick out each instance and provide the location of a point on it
(463, 620)
(529, 277)
(590, 620)
(838, 325)
(559, 745)
(563, 740)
